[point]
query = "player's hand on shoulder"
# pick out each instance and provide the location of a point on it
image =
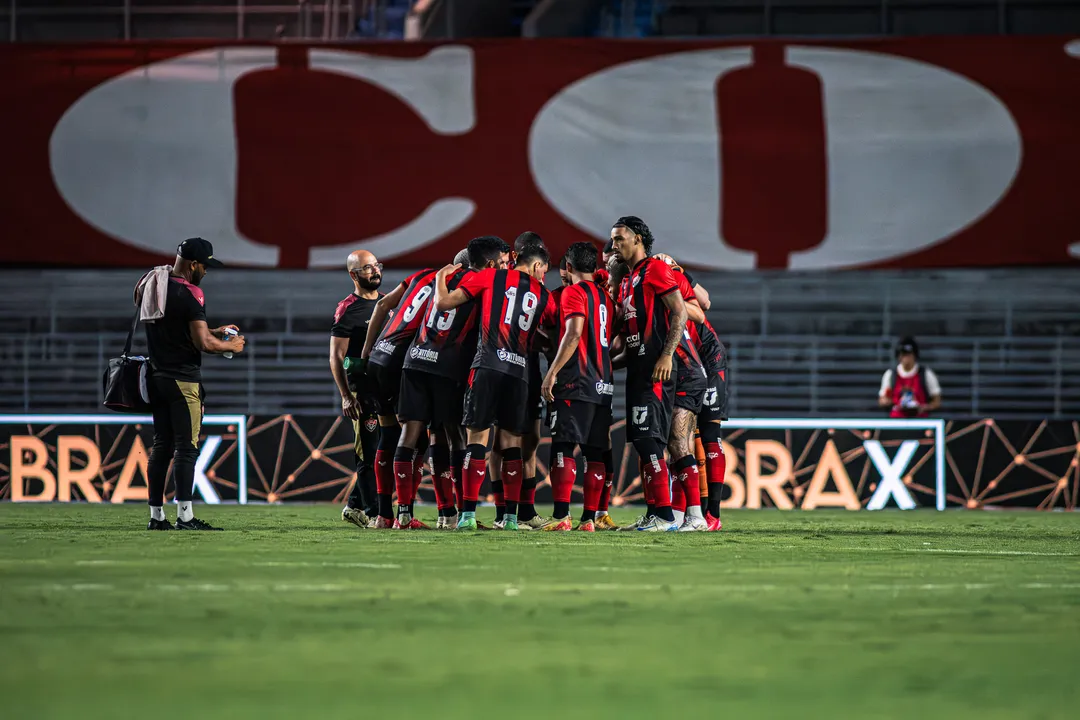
(449, 270)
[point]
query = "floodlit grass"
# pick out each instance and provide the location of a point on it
(295, 614)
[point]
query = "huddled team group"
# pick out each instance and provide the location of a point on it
(449, 361)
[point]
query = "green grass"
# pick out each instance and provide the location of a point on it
(294, 614)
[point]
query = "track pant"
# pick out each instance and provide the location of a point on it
(177, 409)
(365, 442)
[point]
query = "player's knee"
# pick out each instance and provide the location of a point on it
(593, 454)
(389, 435)
(648, 449)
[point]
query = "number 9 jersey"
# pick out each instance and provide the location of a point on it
(513, 305)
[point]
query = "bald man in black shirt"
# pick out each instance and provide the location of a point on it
(357, 399)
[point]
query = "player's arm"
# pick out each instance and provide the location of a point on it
(677, 319)
(350, 408)
(702, 296)
(618, 352)
(567, 347)
(203, 338)
(694, 313)
(382, 309)
(444, 298)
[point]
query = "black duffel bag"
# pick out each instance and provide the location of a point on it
(125, 379)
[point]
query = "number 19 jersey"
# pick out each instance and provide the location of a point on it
(513, 305)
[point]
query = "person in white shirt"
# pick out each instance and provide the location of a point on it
(909, 389)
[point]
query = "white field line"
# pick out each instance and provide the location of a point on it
(514, 590)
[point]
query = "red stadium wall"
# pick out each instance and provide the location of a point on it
(872, 154)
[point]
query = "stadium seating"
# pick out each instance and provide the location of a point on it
(812, 344)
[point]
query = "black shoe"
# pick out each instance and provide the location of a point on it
(194, 524)
(159, 525)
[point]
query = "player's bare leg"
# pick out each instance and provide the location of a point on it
(527, 515)
(684, 467)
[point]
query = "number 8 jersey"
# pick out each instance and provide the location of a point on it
(513, 305)
(390, 349)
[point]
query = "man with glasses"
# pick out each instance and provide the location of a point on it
(357, 394)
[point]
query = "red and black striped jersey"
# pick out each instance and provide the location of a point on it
(587, 376)
(399, 330)
(512, 306)
(446, 342)
(646, 318)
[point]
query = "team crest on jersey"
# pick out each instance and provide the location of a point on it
(371, 423)
(636, 280)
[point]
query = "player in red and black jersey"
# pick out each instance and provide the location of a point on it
(385, 348)
(433, 384)
(578, 388)
(347, 336)
(654, 317)
(513, 304)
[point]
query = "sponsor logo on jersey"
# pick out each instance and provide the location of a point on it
(512, 357)
(633, 340)
(419, 353)
(710, 397)
(385, 347)
(639, 415)
(604, 388)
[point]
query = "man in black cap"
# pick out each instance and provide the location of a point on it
(910, 389)
(176, 338)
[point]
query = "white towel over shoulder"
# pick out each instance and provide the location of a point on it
(150, 293)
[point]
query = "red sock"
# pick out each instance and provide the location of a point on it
(691, 485)
(678, 497)
(715, 463)
(384, 473)
(418, 475)
(646, 483)
(594, 485)
(403, 475)
(528, 493)
(660, 483)
(605, 494)
(473, 478)
(563, 473)
(443, 479)
(511, 479)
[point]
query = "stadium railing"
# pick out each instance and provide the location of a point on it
(772, 376)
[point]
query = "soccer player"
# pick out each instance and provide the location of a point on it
(514, 303)
(385, 348)
(433, 387)
(357, 394)
(658, 353)
(579, 393)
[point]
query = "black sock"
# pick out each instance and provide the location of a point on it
(715, 491)
(587, 515)
(386, 506)
(562, 509)
(500, 508)
(511, 507)
(666, 513)
(650, 510)
(470, 506)
(527, 511)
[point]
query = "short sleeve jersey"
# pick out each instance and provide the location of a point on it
(446, 342)
(513, 305)
(351, 318)
(586, 376)
(172, 352)
(646, 318)
(398, 332)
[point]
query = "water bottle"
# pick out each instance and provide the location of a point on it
(228, 334)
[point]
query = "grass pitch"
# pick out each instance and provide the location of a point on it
(295, 614)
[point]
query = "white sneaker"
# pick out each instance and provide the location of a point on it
(693, 524)
(655, 524)
(447, 523)
(356, 516)
(636, 524)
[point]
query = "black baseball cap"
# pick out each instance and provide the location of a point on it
(198, 250)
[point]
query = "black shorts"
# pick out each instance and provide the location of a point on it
(690, 387)
(714, 405)
(495, 398)
(386, 384)
(536, 402)
(648, 409)
(429, 398)
(579, 422)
